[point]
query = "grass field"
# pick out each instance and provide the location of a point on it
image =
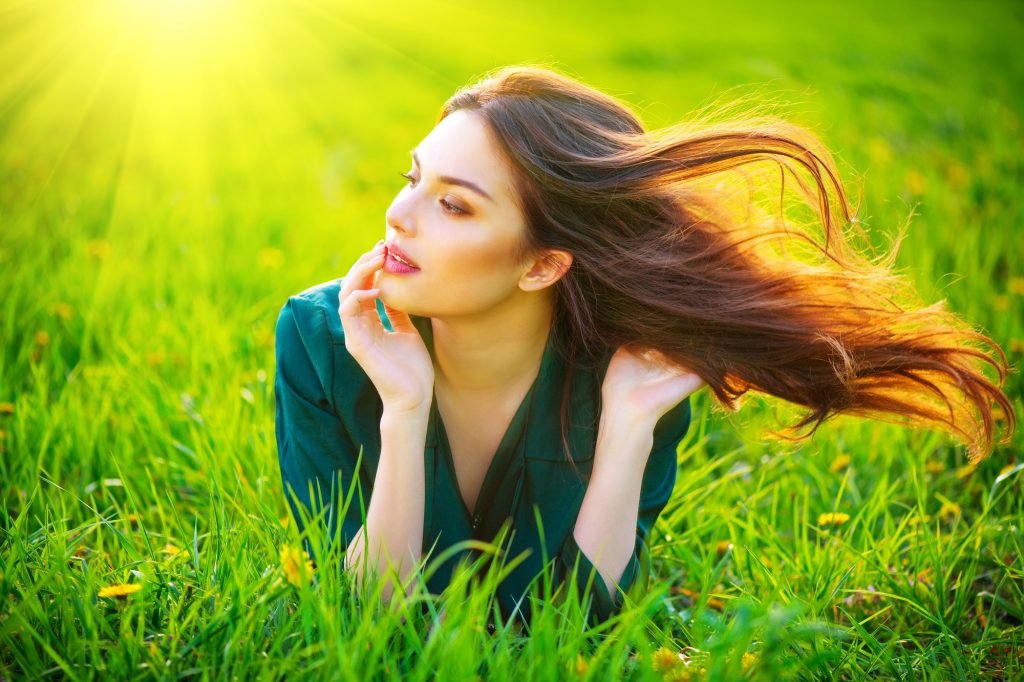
(171, 172)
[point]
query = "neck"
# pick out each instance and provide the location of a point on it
(491, 351)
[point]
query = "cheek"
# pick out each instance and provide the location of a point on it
(471, 268)
(485, 258)
(467, 269)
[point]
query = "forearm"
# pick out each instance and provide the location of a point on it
(394, 518)
(605, 529)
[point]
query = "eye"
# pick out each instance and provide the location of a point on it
(451, 208)
(448, 206)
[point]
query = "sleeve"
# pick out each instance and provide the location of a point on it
(658, 482)
(316, 454)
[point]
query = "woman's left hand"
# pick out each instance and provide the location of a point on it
(646, 383)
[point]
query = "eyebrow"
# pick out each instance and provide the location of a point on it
(457, 181)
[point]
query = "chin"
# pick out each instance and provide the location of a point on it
(390, 299)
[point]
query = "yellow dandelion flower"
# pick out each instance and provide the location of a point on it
(839, 463)
(879, 149)
(665, 659)
(42, 338)
(916, 182)
(949, 510)
(61, 310)
(749, 660)
(270, 258)
(581, 665)
(6, 408)
(1017, 286)
(295, 569)
(833, 519)
(957, 175)
(722, 547)
(172, 551)
(917, 518)
(681, 674)
(966, 470)
(120, 590)
(97, 248)
(284, 520)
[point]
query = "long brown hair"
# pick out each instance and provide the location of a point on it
(672, 253)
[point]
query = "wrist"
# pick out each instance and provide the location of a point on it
(621, 437)
(622, 414)
(405, 417)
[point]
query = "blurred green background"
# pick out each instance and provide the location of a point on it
(172, 171)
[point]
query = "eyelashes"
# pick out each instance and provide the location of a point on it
(448, 206)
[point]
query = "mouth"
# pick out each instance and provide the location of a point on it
(396, 265)
(400, 257)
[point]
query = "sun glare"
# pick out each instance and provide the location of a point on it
(174, 102)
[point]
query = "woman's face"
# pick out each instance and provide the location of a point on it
(457, 221)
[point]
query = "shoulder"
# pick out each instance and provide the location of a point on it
(314, 312)
(308, 311)
(304, 327)
(308, 326)
(316, 367)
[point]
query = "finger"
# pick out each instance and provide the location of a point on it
(376, 251)
(359, 302)
(378, 248)
(400, 320)
(360, 276)
(366, 259)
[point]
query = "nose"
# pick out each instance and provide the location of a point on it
(399, 216)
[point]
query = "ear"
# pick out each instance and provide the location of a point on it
(546, 270)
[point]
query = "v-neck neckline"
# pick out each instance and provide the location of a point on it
(499, 462)
(507, 446)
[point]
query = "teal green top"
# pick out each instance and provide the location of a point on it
(327, 408)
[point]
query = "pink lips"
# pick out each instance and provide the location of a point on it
(401, 254)
(397, 267)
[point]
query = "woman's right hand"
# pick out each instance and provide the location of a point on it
(398, 363)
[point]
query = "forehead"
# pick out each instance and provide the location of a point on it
(462, 146)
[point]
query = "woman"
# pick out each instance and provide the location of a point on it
(518, 353)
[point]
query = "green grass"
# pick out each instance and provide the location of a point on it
(164, 191)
